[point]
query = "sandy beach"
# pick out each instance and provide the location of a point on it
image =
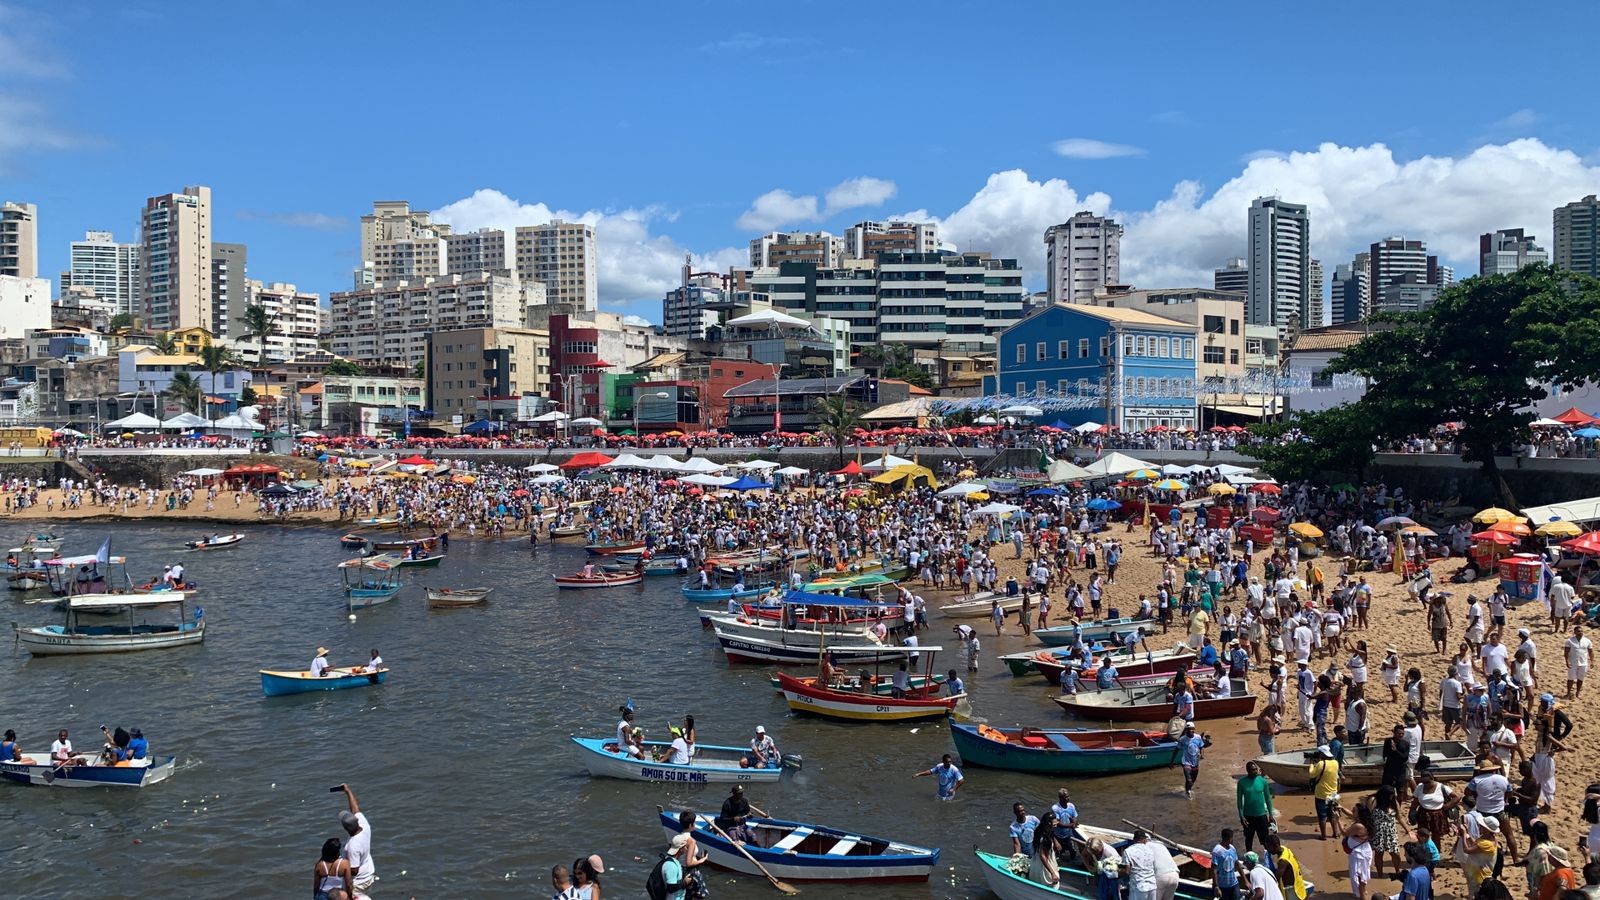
(1396, 620)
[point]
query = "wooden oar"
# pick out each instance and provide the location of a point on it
(1164, 839)
(785, 887)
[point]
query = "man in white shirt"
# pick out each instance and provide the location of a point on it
(1494, 656)
(1531, 650)
(1263, 884)
(678, 755)
(61, 752)
(319, 665)
(1561, 598)
(1580, 653)
(763, 752)
(358, 845)
(1503, 743)
(1450, 702)
(1140, 858)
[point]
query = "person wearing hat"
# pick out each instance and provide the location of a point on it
(672, 870)
(1324, 773)
(1389, 671)
(320, 664)
(736, 810)
(1264, 884)
(1560, 878)
(1476, 848)
(1491, 786)
(763, 752)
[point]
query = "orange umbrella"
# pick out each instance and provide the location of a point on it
(1511, 527)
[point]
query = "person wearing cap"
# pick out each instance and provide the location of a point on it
(763, 752)
(1324, 773)
(358, 845)
(672, 870)
(735, 812)
(319, 663)
(1491, 786)
(1389, 671)
(1263, 883)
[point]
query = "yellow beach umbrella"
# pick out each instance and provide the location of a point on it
(1306, 530)
(1495, 514)
(1558, 529)
(1221, 489)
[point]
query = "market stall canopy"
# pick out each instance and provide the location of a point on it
(768, 317)
(1586, 510)
(792, 471)
(137, 420)
(700, 464)
(709, 480)
(963, 489)
(1088, 427)
(185, 420)
(759, 465)
(996, 509)
(587, 460)
(1115, 464)
(1548, 423)
(1025, 411)
(552, 416)
(1226, 469)
(1575, 417)
(623, 461)
(203, 473)
(888, 461)
(1587, 544)
(542, 467)
(587, 422)
(1061, 471)
(549, 478)
(850, 468)
(748, 483)
(907, 476)
(660, 463)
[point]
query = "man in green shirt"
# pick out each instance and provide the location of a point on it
(1254, 800)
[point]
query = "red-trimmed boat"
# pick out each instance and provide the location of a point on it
(1153, 703)
(597, 580)
(804, 695)
(615, 549)
(1134, 666)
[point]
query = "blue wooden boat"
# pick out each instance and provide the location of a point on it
(1104, 630)
(279, 683)
(711, 765)
(370, 580)
(798, 851)
(1061, 751)
(90, 773)
(712, 595)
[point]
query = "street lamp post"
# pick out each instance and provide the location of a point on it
(777, 396)
(637, 399)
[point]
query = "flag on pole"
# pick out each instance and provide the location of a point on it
(103, 555)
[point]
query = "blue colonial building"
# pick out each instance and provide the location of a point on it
(1123, 367)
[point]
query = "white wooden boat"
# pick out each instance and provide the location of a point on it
(981, 607)
(710, 764)
(450, 598)
(123, 634)
(798, 851)
(806, 635)
(215, 542)
(1363, 764)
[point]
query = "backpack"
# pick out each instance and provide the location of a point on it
(656, 885)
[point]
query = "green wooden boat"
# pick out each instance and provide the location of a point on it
(1062, 751)
(426, 562)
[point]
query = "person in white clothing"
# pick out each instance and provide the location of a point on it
(1140, 860)
(1263, 884)
(320, 664)
(358, 846)
(1580, 652)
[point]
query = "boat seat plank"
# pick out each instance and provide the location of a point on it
(845, 845)
(793, 839)
(1062, 741)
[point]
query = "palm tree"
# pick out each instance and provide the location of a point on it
(164, 344)
(838, 417)
(260, 324)
(185, 389)
(216, 359)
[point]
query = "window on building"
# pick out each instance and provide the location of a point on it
(1233, 356)
(1188, 348)
(1061, 386)
(1022, 353)
(1211, 324)
(1083, 348)
(1083, 385)
(1064, 349)
(1105, 346)
(1127, 345)
(1253, 346)
(1164, 348)
(1038, 352)
(1233, 326)
(1022, 388)
(1139, 346)
(1212, 355)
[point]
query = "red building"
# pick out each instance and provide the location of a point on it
(575, 367)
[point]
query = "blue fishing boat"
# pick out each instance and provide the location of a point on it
(279, 683)
(1061, 751)
(712, 595)
(370, 580)
(89, 772)
(711, 765)
(799, 851)
(1104, 630)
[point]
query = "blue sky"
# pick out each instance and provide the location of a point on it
(664, 123)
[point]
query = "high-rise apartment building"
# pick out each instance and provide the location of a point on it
(393, 220)
(1508, 250)
(1352, 291)
(112, 270)
(230, 290)
(485, 250)
(175, 245)
(1233, 276)
(1082, 254)
(1392, 259)
(409, 258)
(1280, 264)
(482, 372)
(1577, 236)
(19, 240)
(299, 323)
(389, 322)
(820, 248)
(561, 256)
(865, 240)
(1316, 306)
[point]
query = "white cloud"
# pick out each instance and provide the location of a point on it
(21, 47)
(634, 266)
(1089, 148)
(856, 192)
(25, 128)
(1356, 195)
(777, 208)
(315, 221)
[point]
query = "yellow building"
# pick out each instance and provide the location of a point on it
(190, 340)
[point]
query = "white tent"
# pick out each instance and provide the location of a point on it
(760, 465)
(1062, 471)
(1587, 510)
(137, 420)
(963, 489)
(793, 471)
(708, 480)
(1025, 411)
(1115, 464)
(552, 416)
(69, 432)
(550, 478)
(203, 473)
(542, 467)
(1087, 427)
(768, 317)
(985, 420)
(887, 462)
(700, 464)
(587, 422)
(1548, 423)
(996, 509)
(185, 420)
(1170, 469)
(309, 433)
(1224, 469)
(624, 461)
(661, 463)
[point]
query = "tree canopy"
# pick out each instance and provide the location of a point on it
(898, 362)
(1481, 356)
(343, 367)
(1333, 440)
(838, 417)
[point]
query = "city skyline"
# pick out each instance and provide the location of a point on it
(1172, 162)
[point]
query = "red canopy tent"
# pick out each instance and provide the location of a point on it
(415, 460)
(586, 461)
(1576, 417)
(850, 468)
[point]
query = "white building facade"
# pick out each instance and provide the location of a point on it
(389, 322)
(1082, 255)
(1280, 263)
(110, 269)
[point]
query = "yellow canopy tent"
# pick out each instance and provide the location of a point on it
(906, 476)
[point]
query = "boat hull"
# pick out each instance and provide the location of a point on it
(90, 776)
(980, 609)
(1363, 767)
(578, 582)
(613, 549)
(712, 595)
(281, 683)
(1142, 753)
(912, 864)
(445, 598)
(884, 686)
(52, 641)
(426, 562)
(1150, 704)
(1006, 885)
(1132, 667)
(1062, 635)
(221, 543)
(765, 653)
(804, 697)
(366, 598)
(605, 764)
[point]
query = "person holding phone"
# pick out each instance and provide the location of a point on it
(358, 847)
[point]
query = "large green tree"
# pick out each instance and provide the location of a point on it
(260, 324)
(897, 361)
(1483, 353)
(185, 390)
(838, 417)
(343, 367)
(1333, 440)
(216, 359)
